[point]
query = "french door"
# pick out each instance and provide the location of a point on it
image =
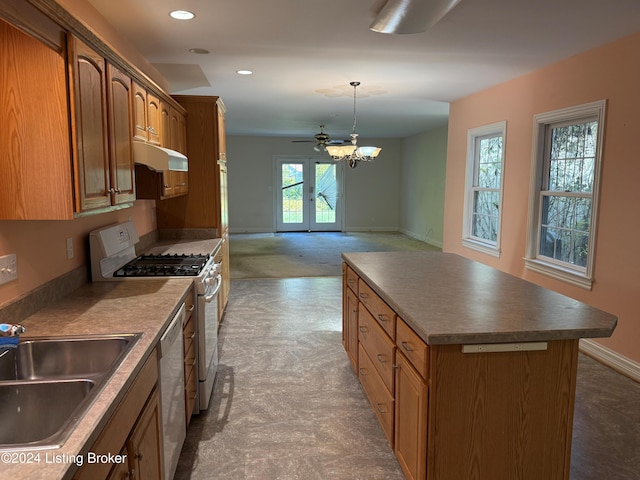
(308, 194)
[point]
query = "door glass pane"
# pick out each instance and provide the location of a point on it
(292, 191)
(326, 193)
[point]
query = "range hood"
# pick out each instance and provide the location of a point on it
(158, 158)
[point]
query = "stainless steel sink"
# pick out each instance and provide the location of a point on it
(33, 412)
(47, 384)
(62, 357)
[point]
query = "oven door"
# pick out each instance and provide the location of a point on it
(208, 339)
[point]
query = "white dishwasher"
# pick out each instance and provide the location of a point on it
(174, 423)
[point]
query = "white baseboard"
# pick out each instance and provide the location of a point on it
(422, 238)
(604, 355)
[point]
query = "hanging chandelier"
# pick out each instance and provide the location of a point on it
(352, 153)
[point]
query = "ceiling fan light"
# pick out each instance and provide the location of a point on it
(411, 16)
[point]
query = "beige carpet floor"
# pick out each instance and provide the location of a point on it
(289, 255)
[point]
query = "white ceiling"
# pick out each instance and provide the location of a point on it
(304, 53)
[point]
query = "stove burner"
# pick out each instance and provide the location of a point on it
(163, 266)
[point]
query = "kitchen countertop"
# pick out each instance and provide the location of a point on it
(448, 299)
(134, 306)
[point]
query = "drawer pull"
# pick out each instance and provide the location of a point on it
(382, 408)
(363, 329)
(363, 371)
(190, 308)
(364, 295)
(382, 317)
(381, 358)
(406, 347)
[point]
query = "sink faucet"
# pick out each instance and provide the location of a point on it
(10, 335)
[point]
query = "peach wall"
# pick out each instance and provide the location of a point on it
(610, 72)
(41, 246)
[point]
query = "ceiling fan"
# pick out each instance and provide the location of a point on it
(322, 139)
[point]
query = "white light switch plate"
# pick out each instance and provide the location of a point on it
(8, 268)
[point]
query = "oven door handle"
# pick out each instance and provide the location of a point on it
(209, 298)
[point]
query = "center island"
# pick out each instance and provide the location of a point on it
(470, 371)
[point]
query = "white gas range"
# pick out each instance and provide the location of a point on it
(113, 258)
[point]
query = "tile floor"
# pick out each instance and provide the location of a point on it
(287, 404)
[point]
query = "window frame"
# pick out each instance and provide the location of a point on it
(474, 135)
(540, 161)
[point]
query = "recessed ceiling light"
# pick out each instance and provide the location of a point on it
(244, 72)
(181, 15)
(201, 51)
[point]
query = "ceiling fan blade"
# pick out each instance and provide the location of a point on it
(410, 16)
(302, 141)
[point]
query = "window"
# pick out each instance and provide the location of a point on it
(565, 177)
(483, 192)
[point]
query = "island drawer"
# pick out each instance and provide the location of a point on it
(412, 347)
(381, 400)
(383, 314)
(378, 346)
(351, 278)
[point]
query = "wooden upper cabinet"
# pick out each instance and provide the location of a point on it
(102, 122)
(153, 119)
(139, 102)
(89, 126)
(35, 150)
(222, 132)
(120, 122)
(146, 115)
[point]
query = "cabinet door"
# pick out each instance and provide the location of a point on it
(34, 133)
(179, 144)
(411, 420)
(120, 121)
(121, 471)
(139, 112)
(145, 443)
(352, 328)
(222, 135)
(89, 102)
(153, 119)
(165, 125)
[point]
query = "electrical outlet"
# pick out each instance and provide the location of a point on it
(8, 268)
(69, 248)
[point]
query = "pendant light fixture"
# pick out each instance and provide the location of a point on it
(352, 153)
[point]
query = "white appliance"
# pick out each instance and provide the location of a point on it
(174, 424)
(207, 314)
(113, 258)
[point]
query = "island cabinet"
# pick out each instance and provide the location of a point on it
(350, 315)
(465, 389)
(411, 374)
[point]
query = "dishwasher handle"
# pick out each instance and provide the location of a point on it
(173, 331)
